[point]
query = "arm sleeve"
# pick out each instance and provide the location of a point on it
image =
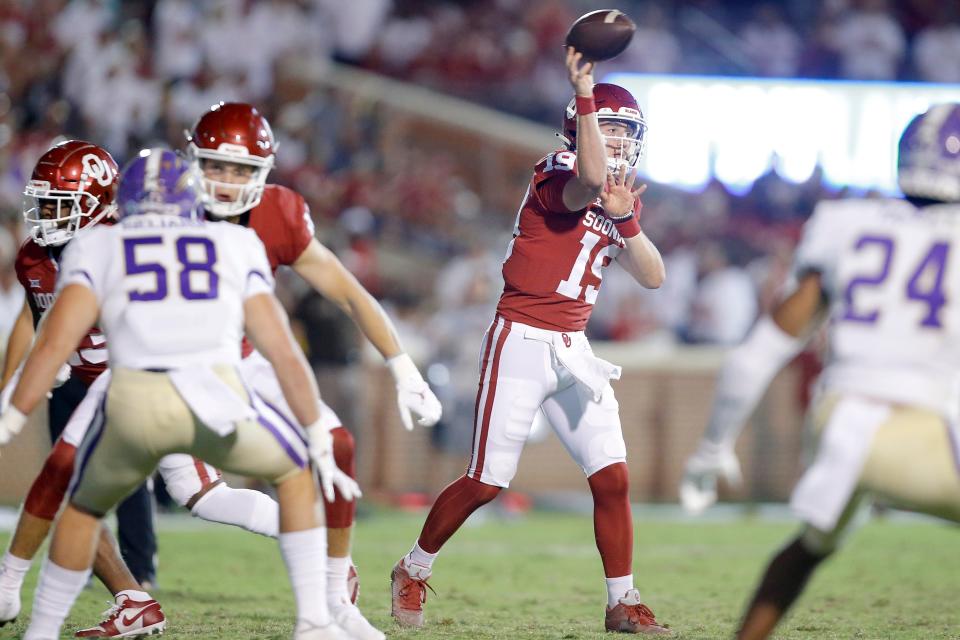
(746, 372)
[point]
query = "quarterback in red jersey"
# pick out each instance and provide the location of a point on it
(232, 147)
(581, 212)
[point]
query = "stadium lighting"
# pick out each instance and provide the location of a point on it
(737, 129)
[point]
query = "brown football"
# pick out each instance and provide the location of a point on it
(601, 35)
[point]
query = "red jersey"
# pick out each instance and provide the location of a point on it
(37, 270)
(282, 222)
(553, 268)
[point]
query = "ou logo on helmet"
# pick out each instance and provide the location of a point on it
(95, 168)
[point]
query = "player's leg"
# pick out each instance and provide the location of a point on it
(513, 383)
(590, 431)
(40, 508)
(274, 450)
(137, 534)
(196, 485)
(259, 374)
(914, 463)
(112, 462)
(790, 569)
(71, 410)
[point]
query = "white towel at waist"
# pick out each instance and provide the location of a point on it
(211, 399)
(574, 353)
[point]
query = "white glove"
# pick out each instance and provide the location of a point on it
(62, 376)
(414, 397)
(698, 488)
(11, 423)
(320, 444)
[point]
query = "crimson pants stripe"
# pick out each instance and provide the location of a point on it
(483, 375)
(201, 468)
(491, 393)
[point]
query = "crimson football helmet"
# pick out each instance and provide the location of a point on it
(73, 186)
(232, 132)
(616, 104)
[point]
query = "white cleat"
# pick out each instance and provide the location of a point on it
(9, 606)
(352, 621)
(329, 631)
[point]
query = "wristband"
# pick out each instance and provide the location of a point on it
(403, 369)
(585, 106)
(628, 226)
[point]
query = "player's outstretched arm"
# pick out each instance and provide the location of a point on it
(591, 155)
(65, 325)
(744, 376)
(18, 343)
(325, 273)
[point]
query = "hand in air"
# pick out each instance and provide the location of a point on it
(617, 198)
(581, 78)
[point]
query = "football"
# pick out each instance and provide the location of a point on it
(601, 35)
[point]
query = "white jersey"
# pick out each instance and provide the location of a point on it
(170, 290)
(891, 273)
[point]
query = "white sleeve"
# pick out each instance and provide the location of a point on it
(819, 247)
(259, 277)
(746, 373)
(82, 264)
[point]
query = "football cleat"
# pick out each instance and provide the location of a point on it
(409, 594)
(353, 584)
(329, 631)
(631, 616)
(349, 618)
(9, 606)
(128, 618)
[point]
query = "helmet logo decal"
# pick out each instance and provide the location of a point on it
(96, 169)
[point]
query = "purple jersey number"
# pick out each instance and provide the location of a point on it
(886, 246)
(925, 285)
(159, 291)
(190, 265)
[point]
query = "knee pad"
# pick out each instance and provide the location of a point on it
(50, 486)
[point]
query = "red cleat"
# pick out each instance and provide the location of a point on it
(631, 616)
(128, 619)
(409, 594)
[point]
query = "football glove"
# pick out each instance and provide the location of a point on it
(414, 396)
(11, 423)
(698, 488)
(320, 445)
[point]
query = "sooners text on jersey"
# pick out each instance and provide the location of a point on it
(283, 224)
(554, 264)
(37, 270)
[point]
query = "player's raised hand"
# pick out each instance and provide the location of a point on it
(581, 77)
(698, 488)
(619, 195)
(320, 444)
(415, 399)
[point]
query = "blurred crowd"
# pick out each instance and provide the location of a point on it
(406, 221)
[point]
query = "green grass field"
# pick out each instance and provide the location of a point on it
(540, 577)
